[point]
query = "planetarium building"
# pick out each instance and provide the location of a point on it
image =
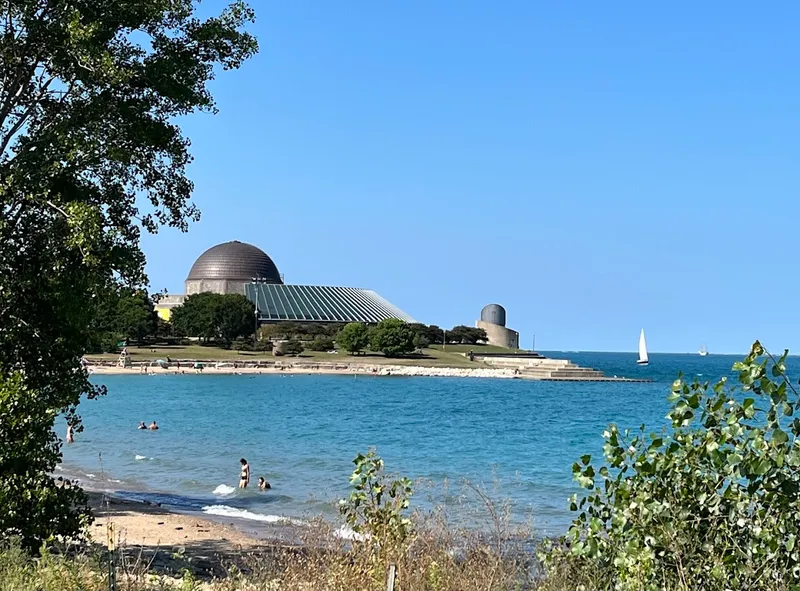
(237, 267)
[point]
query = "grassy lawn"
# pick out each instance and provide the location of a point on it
(451, 356)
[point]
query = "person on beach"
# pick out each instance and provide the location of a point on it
(263, 484)
(142, 426)
(153, 426)
(70, 437)
(244, 478)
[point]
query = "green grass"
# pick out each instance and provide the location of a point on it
(451, 356)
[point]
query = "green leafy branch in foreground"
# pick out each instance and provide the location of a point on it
(376, 509)
(713, 504)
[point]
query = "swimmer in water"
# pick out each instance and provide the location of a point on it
(142, 426)
(263, 484)
(244, 478)
(153, 426)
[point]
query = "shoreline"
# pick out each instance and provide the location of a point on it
(227, 368)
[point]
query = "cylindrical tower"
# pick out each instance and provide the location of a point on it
(495, 314)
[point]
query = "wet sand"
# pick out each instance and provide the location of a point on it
(141, 524)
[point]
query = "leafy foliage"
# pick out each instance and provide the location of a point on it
(322, 343)
(466, 335)
(222, 317)
(713, 504)
(376, 508)
(32, 506)
(353, 338)
(290, 347)
(136, 318)
(90, 154)
(392, 337)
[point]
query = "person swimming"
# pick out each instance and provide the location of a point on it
(244, 478)
(153, 426)
(142, 426)
(263, 484)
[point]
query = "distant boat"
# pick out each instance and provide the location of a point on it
(642, 350)
(703, 351)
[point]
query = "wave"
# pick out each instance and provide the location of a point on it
(226, 511)
(345, 533)
(90, 475)
(138, 457)
(224, 489)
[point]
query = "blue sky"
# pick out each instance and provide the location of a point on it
(594, 168)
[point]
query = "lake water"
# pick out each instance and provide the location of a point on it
(517, 438)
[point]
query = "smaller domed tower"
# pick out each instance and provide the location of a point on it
(493, 321)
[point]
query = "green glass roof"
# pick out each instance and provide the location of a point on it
(319, 303)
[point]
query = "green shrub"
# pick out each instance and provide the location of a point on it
(376, 509)
(322, 343)
(291, 347)
(713, 504)
(354, 337)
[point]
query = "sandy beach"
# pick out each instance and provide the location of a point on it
(164, 542)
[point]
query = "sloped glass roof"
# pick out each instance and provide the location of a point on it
(319, 303)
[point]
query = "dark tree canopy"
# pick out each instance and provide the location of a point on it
(90, 154)
(221, 317)
(353, 338)
(392, 337)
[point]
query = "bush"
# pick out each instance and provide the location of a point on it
(322, 343)
(289, 348)
(265, 345)
(712, 505)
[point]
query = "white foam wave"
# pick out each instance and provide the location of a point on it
(115, 481)
(224, 489)
(345, 533)
(90, 475)
(225, 511)
(138, 457)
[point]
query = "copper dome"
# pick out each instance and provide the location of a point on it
(235, 261)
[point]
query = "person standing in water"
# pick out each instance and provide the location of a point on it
(70, 437)
(244, 479)
(153, 426)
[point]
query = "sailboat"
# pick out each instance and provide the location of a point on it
(642, 350)
(703, 351)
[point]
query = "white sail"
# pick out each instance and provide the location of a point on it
(703, 351)
(642, 349)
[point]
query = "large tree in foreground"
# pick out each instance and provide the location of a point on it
(89, 155)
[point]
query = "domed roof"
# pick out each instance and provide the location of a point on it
(235, 260)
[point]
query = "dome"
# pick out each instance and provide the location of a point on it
(494, 314)
(237, 261)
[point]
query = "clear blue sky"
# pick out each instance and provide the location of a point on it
(595, 168)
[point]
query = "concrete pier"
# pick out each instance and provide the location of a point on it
(536, 367)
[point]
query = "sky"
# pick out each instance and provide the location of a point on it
(595, 168)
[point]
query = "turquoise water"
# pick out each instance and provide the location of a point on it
(517, 438)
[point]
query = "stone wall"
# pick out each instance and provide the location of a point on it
(500, 336)
(194, 286)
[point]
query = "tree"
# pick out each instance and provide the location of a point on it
(234, 317)
(466, 335)
(322, 343)
(195, 317)
(712, 504)
(90, 155)
(136, 317)
(392, 337)
(222, 317)
(353, 338)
